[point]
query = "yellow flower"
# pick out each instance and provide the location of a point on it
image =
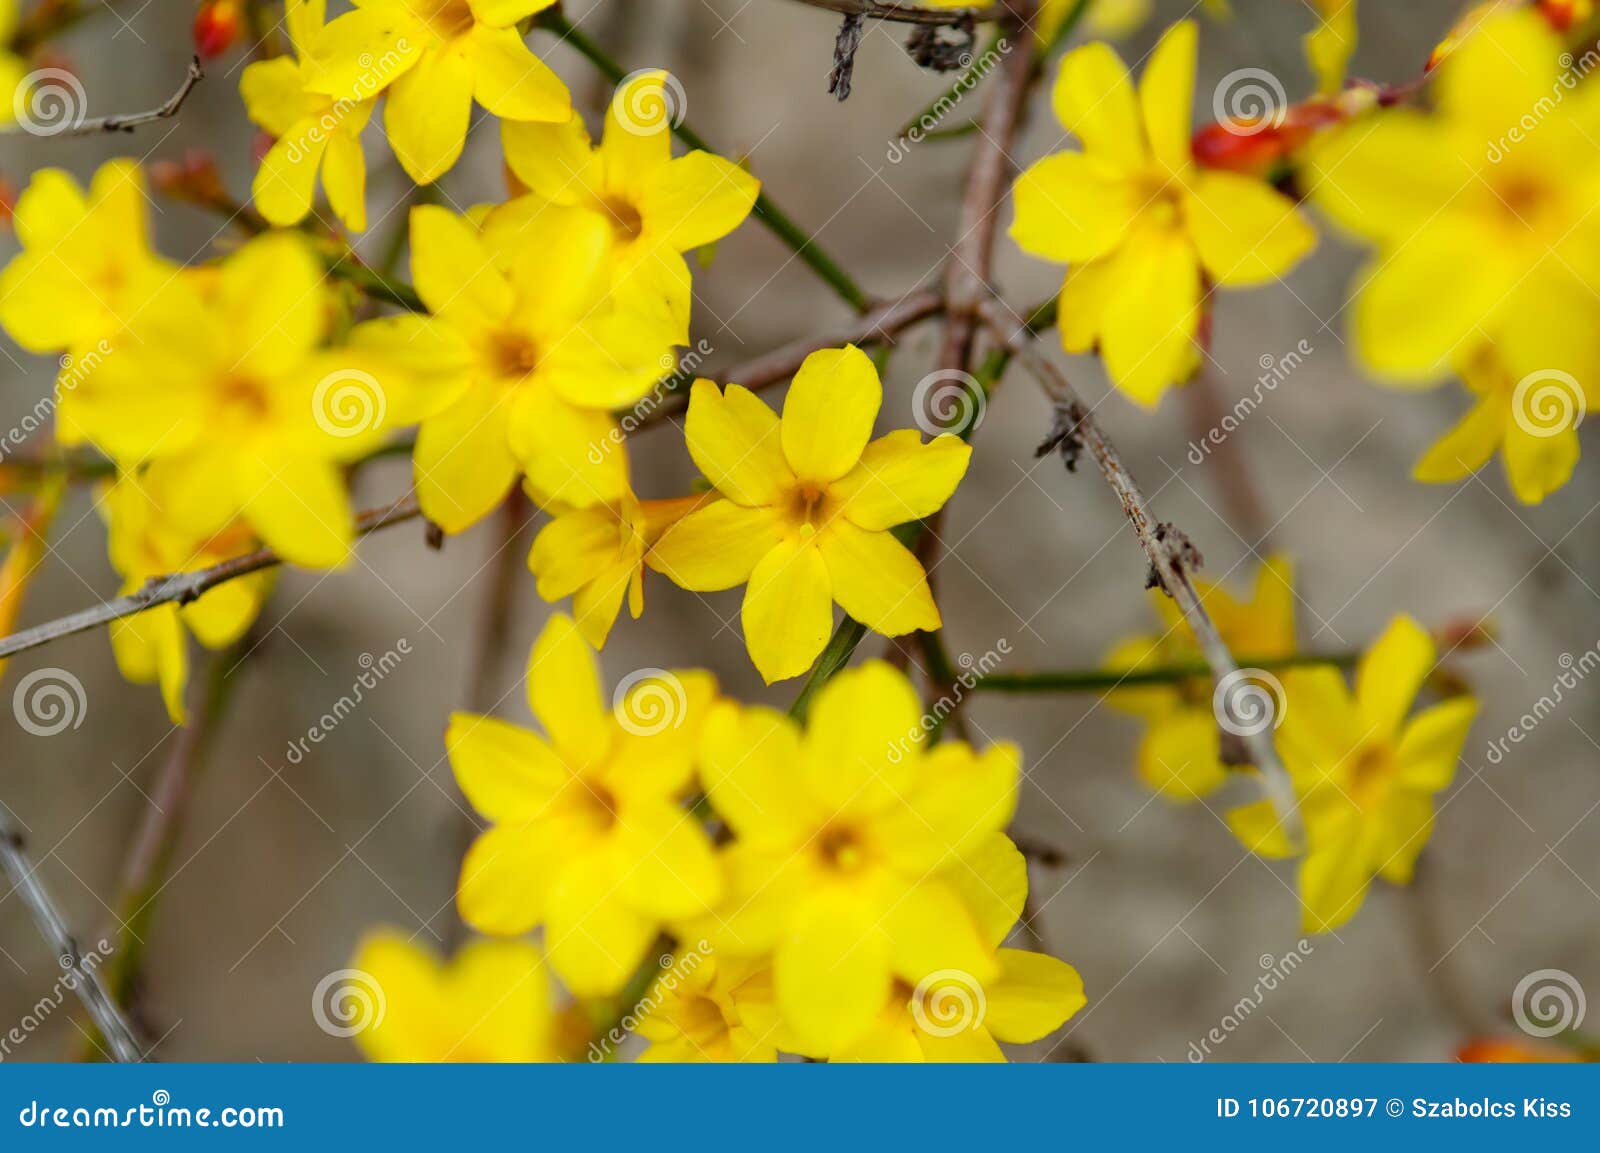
(808, 509)
(433, 58)
(24, 537)
(723, 1010)
(151, 646)
(587, 834)
(1180, 756)
(491, 1002)
(86, 268)
(656, 207)
(223, 383)
(13, 69)
(1530, 416)
(1145, 230)
(1365, 775)
(1330, 45)
(530, 354)
(840, 836)
(949, 1015)
(1491, 197)
(595, 555)
(313, 130)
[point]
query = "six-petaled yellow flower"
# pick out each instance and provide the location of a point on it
(1146, 232)
(723, 1009)
(808, 502)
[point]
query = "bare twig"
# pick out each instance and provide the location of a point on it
(911, 14)
(1169, 552)
(125, 122)
(182, 588)
(85, 978)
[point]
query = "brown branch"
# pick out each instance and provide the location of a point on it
(182, 588)
(911, 14)
(1170, 554)
(86, 981)
(125, 122)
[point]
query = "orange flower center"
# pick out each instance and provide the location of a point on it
(516, 354)
(1370, 776)
(840, 848)
(446, 18)
(626, 223)
(810, 504)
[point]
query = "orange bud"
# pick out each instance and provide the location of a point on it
(1255, 147)
(1510, 1051)
(1563, 14)
(217, 27)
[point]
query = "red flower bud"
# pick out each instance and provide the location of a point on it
(217, 27)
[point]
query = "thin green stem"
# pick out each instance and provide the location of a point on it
(1104, 680)
(776, 220)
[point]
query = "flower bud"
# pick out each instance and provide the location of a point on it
(217, 27)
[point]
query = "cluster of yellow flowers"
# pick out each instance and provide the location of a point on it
(855, 909)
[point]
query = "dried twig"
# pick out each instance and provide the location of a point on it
(844, 56)
(1169, 552)
(86, 981)
(911, 14)
(124, 122)
(182, 588)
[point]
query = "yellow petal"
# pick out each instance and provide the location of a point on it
(298, 507)
(932, 930)
(673, 873)
(735, 441)
(48, 209)
(284, 187)
(272, 298)
(452, 270)
(1333, 884)
(900, 479)
(1384, 177)
(510, 81)
(152, 647)
(1034, 996)
(1094, 100)
(595, 939)
(1504, 72)
(505, 13)
(570, 454)
(1178, 757)
(463, 462)
(831, 971)
(747, 762)
(1166, 95)
(564, 693)
(1431, 744)
(555, 161)
(959, 798)
(637, 141)
(574, 549)
(427, 114)
(344, 175)
(877, 580)
(505, 772)
(1071, 207)
(1405, 826)
(503, 881)
(697, 199)
(222, 614)
(365, 51)
(1538, 461)
(1261, 830)
(1246, 232)
(1320, 725)
(855, 737)
(273, 97)
(992, 878)
(1150, 321)
(1466, 447)
(787, 611)
(1391, 673)
(715, 547)
(828, 414)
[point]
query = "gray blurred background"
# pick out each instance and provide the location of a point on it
(281, 866)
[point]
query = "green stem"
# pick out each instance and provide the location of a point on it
(373, 282)
(1103, 680)
(776, 220)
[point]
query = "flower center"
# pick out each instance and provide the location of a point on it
(701, 1020)
(1369, 777)
(626, 223)
(840, 848)
(245, 396)
(809, 504)
(516, 354)
(446, 18)
(599, 804)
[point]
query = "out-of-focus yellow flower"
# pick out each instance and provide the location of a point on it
(595, 555)
(434, 58)
(1143, 228)
(949, 1015)
(1331, 44)
(24, 535)
(1180, 756)
(722, 1010)
(530, 351)
(1365, 775)
(313, 130)
(1491, 195)
(13, 68)
(656, 207)
(588, 837)
(86, 268)
(490, 1002)
(841, 834)
(151, 647)
(808, 505)
(1529, 413)
(222, 382)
